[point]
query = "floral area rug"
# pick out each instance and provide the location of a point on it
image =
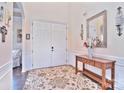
(58, 78)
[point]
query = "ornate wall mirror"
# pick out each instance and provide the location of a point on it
(97, 29)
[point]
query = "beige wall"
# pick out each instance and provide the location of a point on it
(5, 54)
(115, 43)
(5, 48)
(72, 15)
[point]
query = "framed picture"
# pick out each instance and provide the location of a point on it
(97, 29)
(27, 36)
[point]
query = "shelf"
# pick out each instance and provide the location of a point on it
(96, 77)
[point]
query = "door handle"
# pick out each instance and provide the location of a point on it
(52, 48)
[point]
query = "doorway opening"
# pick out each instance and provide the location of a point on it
(18, 76)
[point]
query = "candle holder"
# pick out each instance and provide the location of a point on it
(3, 31)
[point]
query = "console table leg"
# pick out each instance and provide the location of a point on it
(76, 69)
(83, 66)
(103, 76)
(113, 75)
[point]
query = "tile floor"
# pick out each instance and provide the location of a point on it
(18, 78)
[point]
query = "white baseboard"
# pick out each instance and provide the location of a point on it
(4, 69)
(6, 76)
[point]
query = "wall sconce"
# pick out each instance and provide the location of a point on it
(81, 34)
(3, 31)
(119, 20)
(5, 16)
(1, 13)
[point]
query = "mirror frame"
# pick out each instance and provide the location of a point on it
(104, 14)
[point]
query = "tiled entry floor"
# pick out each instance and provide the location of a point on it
(18, 78)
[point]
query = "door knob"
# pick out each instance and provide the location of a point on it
(52, 48)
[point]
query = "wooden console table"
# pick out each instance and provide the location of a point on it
(100, 63)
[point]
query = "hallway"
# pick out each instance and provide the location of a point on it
(18, 78)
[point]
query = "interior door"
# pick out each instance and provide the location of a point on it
(58, 44)
(41, 44)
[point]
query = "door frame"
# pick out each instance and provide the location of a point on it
(31, 35)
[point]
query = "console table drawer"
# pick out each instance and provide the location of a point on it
(79, 59)
(90, 62)
(99, 65)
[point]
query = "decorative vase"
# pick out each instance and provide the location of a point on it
(90, 52)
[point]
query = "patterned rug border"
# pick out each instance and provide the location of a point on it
(51, 67)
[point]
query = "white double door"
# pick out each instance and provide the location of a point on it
(49, 44)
